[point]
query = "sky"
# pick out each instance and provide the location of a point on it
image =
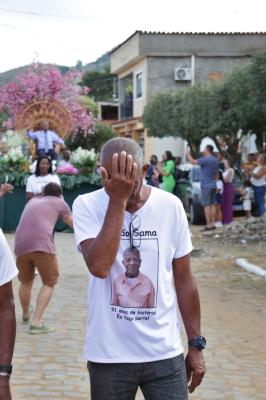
(65, 31)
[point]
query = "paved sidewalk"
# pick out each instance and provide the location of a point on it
(234, 321)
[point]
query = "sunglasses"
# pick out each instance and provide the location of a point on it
(134, 237)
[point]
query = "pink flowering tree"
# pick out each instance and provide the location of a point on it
(46, 82)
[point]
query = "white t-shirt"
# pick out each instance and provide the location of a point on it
(8, 269)
(117, 334)
(229, 175)
(247, 193)
(258, 182)
(35, 184)
(220, 186)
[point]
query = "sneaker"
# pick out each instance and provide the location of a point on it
(35, 330)
(218, 224)
(26, 320)
(207, 228)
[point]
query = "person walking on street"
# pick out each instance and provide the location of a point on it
(34, 248)
(139, 345)
(258, 181)
(228, 193)
(209, 169)
(8, 271)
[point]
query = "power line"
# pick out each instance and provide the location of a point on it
(35, 14)
(11, 27)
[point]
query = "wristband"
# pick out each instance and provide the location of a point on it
(5, 374)
(5, 370)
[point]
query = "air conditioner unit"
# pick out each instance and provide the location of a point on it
(183, 74)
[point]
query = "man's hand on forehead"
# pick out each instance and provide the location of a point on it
(123, 175)
(122, 163)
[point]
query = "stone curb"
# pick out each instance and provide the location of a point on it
(254, 269)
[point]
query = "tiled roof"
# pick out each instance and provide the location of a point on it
(199, 33)
(185, 33)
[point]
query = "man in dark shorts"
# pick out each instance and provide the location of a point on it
(34, 248)
(209, 169)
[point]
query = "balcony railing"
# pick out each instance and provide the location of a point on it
(126, 110)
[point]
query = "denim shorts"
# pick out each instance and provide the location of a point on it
(158, 380)
(207, 197)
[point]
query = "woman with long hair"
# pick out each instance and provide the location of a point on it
(43, 174)
(152, 173)
(228, 192)
(258, 181)
(167, 172)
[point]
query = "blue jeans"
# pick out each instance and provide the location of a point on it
(51, 153)
(158, 380)
(259, 195)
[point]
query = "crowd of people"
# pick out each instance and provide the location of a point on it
(132, 256)
(217, 188)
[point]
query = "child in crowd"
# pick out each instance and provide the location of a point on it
(218, 199)
(246, 197)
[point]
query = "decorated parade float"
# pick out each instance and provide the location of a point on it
(43, 93)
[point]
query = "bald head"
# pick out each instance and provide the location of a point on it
(132, 250)
(117, 145)
(45, 124)
(131, 261)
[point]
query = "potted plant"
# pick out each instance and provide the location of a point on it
(84, 160)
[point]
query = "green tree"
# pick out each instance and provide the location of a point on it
(3, 118)
(184, 114)
(161, 115)
(94, 141)
(216, 110)
(89, 104)
(196, 113)
(101, 84)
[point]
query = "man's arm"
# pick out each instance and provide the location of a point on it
(259, 174)
(191, 159)
(57, 139)
(189, 305)
(7, 334)
(68, 219)
(31, 135)
(151, 299)
(100, 253)
(114, 296)
(29, 195)
(5, 188)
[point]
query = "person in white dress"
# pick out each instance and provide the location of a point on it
(246, 197)
(258, 181)
(219, 200)
(42, 176)
(228, 193)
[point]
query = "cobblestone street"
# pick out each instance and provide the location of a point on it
(234, 322)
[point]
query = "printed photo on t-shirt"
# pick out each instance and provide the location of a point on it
(136, 286)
